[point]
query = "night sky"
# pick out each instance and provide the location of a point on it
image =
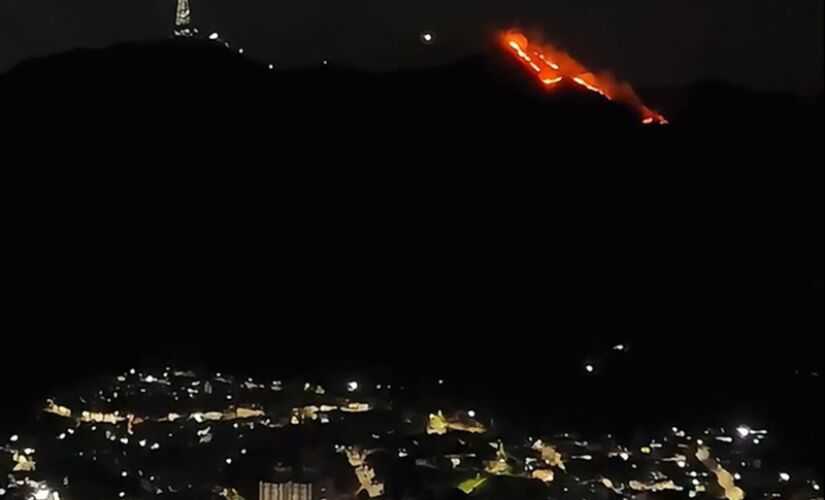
(774, 44)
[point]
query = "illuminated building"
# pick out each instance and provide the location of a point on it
(183, 19)
(284, 491)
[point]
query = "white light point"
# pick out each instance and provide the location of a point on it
(589, 368)
(228, 461)
(784, 477)
(352, 386)
(214, 36)
(14, 438)
(618, 347)
(427, 37)
(743, 431)
(471, 414)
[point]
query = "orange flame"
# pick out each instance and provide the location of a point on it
(554, 66)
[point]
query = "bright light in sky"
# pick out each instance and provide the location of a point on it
(590, 368)
(743, 431)
(352, 386)
(214, 36)
(427, 37)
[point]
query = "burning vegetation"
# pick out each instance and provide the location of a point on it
(553, 66)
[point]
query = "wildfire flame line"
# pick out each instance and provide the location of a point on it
(559, 66)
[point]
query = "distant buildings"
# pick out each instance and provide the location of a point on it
(122, 438)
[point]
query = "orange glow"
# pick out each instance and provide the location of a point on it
(589, 87)
(559, 66)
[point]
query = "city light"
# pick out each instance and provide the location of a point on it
(42, 494)
(235, 433)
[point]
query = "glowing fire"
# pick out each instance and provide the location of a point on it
(553, 66)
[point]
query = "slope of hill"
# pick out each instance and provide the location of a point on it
(419, 206)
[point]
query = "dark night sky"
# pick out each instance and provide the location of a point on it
(765, 43)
